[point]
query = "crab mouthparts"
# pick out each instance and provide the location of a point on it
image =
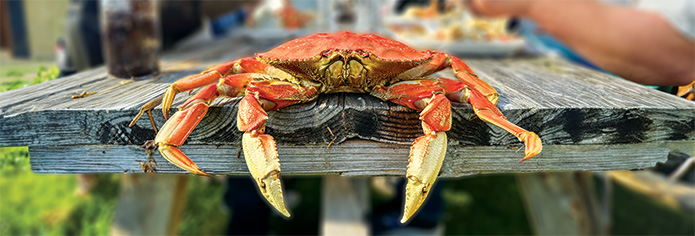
(345, 73)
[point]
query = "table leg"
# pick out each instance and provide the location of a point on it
(149, 204)
(344, 206)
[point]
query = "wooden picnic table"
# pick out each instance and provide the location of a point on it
(588, 121)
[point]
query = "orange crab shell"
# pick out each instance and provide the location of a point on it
(312, 46)
(385, 57)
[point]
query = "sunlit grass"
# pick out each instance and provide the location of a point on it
(40, 204)
(15, 78)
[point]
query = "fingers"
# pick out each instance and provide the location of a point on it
(500, 8)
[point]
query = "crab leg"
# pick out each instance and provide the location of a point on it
(471, 89)
(470, 78)
(461, 69)
(176, 130)
(210, 75)
(428, 151)
(259, 148)
(488, 112)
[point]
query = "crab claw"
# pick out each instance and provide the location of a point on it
(262, 159)
(426, 157)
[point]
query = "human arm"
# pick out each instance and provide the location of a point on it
(637, 45)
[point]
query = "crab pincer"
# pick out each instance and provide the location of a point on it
(260, 151)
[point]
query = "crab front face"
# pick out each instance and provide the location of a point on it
(297, 71)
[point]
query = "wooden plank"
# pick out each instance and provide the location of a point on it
(352, 158)
(348, 115)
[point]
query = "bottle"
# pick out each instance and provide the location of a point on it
(131, 37)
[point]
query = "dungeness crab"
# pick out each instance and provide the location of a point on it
(299, 70)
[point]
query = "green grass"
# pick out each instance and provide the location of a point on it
(487, 204)
(16, 78)
(203, 213)
(43, 204)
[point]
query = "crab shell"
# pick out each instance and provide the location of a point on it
(344, 62)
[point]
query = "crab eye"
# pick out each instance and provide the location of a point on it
(362, 54)
(326, 53)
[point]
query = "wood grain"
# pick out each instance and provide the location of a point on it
(351, 158)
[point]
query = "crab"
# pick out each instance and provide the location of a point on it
(301, 69)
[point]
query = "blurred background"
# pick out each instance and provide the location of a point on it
(43, 40)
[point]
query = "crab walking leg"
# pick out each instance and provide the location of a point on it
(259, 148)
(488, 112)
(176, 130)
(461, 69)
(470, 78)
(208, 76)
(174, 133)
(438, 62)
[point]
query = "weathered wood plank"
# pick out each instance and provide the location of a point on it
(596, 109)
(353, 115)
(352, 158)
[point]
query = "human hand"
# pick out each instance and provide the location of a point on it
(501, 7)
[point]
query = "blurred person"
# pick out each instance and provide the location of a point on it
(651, 43)
(654, 47)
